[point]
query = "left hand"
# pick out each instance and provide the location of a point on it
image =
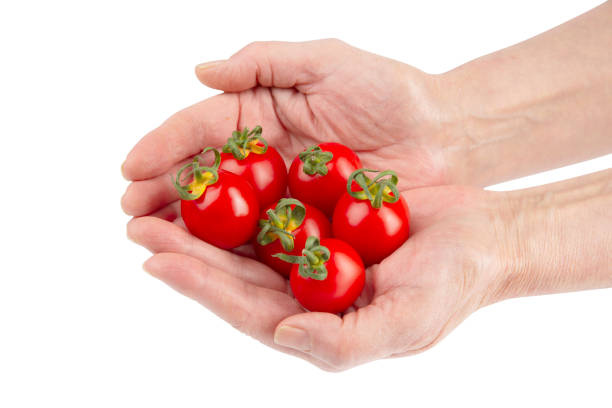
(302, 94)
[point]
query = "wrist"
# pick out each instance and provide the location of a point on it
(517, 243)
(487, 123)
(433, 121)
(556, 238)
(527, 108)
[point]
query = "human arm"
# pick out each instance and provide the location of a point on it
(559, 238)
(460, 255)
(538, 105)
(469, 248)
(534, 106)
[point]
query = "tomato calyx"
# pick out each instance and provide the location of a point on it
(200, 176)
(282, 220)
(377, 190)
(313, 259)
(315, 160)
(244, 142)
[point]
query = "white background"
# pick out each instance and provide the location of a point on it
(81, 325)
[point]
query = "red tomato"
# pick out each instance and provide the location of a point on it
(340, 288)
(248, 155)
(374, 232)
(301, 223)
(320, 180)
(218, 207)
(225, 215)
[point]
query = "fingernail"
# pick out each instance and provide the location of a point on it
(292, 337)
(207, 65)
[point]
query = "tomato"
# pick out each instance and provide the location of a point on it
(248, 155)
(318, 175)
(376, 227)
(329, 277)
(218, 207)
(284, 228)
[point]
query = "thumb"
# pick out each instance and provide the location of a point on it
(273, 64)
(376, 331)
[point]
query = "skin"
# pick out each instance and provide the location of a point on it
(534, 106)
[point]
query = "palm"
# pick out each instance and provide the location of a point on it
(422, 291)
(441, 274)
(381, 120)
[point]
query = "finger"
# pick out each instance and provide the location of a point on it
(246, 250)
(158, 236)
(376, 331)
(253, 310)
(207, 123)
(146, 196)
(143, 197)
(257, 107)
(273, 64)
(170, 213)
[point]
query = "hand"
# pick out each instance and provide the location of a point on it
(448, 268)
(301, 94)
(462, 250)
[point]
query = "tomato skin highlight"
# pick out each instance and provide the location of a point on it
(324, 191)
(267, 173)
(374, 233)
(225, 215)
(343, 285)
(314, 224)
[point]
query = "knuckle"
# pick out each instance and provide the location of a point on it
(255, 47)
(330, 369)
(240, 321)
(335, 42)
(243, 318)
(176, 125)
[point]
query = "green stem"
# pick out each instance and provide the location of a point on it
(313, 259)
(289, 212)
(196, 172)
(315, 160)
(239, 144)
(374, 190)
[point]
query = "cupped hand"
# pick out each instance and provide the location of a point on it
(301, 94)
(449, 267)
(304, 94)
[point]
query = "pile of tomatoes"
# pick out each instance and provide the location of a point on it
(242, 198)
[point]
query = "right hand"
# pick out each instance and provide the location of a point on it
(453, 264)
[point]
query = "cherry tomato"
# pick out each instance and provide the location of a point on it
(329, 277)
(318, 175)
(248, 155)
(218, 207)
(284, 228)
(377, 227)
